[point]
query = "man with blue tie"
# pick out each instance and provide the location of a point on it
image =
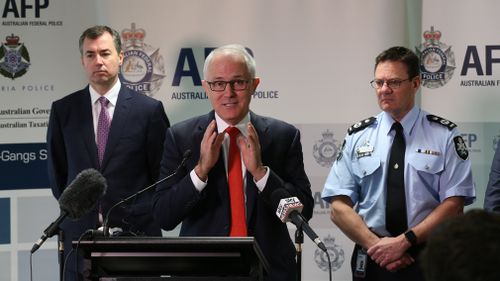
(110, 128)
(239, 160)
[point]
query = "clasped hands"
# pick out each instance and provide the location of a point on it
(390, 252)
(210, 150)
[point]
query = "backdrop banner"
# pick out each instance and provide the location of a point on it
(315, 60)
(460, 62)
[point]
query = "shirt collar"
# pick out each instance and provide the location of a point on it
(111, 95)
(408, 121)
(222, 125)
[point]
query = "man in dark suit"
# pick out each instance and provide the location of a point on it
(271, 153)
(130, 157)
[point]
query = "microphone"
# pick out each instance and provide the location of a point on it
(289, 209)
(77, 199)
(105, 227)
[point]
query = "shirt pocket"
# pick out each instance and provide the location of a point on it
(426, 170)
(425, 163)
(366, 166)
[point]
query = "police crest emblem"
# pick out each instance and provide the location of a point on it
(143, 69)
(335, 252)
(437, 60)
(325, 150)
(14, 58)
(461, 148)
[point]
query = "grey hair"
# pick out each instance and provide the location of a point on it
(234, 49)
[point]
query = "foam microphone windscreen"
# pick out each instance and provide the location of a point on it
(82, 194)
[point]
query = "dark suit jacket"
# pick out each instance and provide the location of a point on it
(207, 213)
(131, 160)
(492, 196)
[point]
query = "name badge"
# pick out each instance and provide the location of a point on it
(428, 152)
(365, 150)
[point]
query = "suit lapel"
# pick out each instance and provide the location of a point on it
(88, 126)
(120, 118)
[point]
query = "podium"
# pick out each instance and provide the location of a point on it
(172, 259)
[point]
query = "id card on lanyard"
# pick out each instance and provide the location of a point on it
(361, 260)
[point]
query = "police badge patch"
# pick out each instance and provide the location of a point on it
(461, 148)
(14, 58)
(437, 60)
(143, 69)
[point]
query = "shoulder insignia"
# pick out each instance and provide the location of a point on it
(461, 148)
(361, 125)
(447, 123)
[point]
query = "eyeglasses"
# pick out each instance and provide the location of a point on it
(237, 85)
(391, 83)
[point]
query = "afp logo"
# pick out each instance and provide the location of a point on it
(14, 57)
(20, 8)
(437, 60)
(188, 65)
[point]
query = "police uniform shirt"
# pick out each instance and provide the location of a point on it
(436, 167)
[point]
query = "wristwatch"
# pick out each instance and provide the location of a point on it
(411, 237)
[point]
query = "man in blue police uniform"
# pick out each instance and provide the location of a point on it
(426, 171)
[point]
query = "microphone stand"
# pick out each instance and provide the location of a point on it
(60, 252)
(299, 239)
(105, 226)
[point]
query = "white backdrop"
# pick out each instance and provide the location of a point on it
(470, 95)
(315, 59)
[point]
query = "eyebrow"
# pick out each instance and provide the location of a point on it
(101, 51)
(232, 78)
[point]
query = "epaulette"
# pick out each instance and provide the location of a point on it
(361, 125)
(447, 123)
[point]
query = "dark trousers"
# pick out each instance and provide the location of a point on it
(376, 273)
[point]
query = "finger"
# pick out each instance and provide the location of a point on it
(209, 130)
(408, 259)
(384, 262)
(373, 252)
(252, 134)
(394, 266)
(243, 142)
(218, 140)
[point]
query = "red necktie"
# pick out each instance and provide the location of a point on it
(235, 180)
